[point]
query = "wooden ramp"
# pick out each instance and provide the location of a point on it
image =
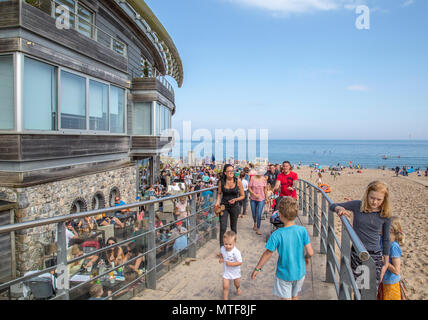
(202, 279)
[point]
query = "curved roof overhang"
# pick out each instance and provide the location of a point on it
(172, 61)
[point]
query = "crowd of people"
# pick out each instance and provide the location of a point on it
(261, 189)
(380, 232)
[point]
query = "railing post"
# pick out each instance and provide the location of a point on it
(151, 244)
(316, 212)
(369, 290)
(300, 195)
(345, 254)
(305, 212)
(214, 217)
(191, 222)
(331, 247)
(63, 284)
(311, 207)
(323, 229)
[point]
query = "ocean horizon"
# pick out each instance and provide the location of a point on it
(366, 153)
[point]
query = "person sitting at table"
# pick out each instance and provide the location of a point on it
(150, 192)
(181, 242)
(77, 251)
(132, 252)
(118, 202)
(114, 255)
(102, 220)
(96, 291)
(181, 210)
(87, 223)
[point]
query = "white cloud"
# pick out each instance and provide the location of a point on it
(357, 87)
(299, 6)
(408, 3)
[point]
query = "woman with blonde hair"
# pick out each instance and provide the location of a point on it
(391, 287)
(371, 218)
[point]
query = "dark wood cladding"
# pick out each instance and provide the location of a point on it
(146, 84)
(149, 142)
(9, 44)
(51, 55)
(35, 177)
(9, 13)
(49, 175)
(41, 23)
(50, 146)
(9, 147)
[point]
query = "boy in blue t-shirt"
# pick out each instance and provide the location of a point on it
(291, 242)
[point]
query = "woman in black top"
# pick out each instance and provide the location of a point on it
(230, 193)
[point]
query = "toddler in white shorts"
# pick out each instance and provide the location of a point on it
(232, 260)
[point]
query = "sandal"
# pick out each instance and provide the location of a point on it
(258, 233)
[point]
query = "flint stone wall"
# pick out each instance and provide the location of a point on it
(55, 199)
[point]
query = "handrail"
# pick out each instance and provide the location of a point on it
(359, 247)
(308, 203)
(148, 235)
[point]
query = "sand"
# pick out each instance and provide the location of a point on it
(409, 199)
(202, 278)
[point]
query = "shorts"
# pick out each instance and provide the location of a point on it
(287, 289)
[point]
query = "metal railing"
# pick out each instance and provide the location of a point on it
(194, 222)
(338, 272)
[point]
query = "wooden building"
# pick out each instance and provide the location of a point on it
(84, 104)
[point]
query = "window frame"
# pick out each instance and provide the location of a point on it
(15, 70)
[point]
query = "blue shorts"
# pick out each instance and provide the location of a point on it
(287, 289)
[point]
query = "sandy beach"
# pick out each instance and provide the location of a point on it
(201, 280)
(409, 201)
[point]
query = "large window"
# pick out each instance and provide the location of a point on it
(164, 118)
(142, 119)
(39, 95)
(98, 106)
(73, 101)
(6, 93)
(116, 109)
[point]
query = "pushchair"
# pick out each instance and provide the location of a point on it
(39, 288)
(275, 221)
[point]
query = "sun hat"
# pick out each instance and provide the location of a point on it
(260, 171)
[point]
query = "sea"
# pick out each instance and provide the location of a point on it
(365, 153)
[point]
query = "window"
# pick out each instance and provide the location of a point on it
(39, 95)
(119, 47)
(142, 118)
(98, 201)
(81, 18)
(164, 119)
(6, 93)
(85, 20)
(114, 192)
(73, 101)
(79, 205)
(116, 109)
(98, 106)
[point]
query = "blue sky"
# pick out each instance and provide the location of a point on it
(301, 68)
